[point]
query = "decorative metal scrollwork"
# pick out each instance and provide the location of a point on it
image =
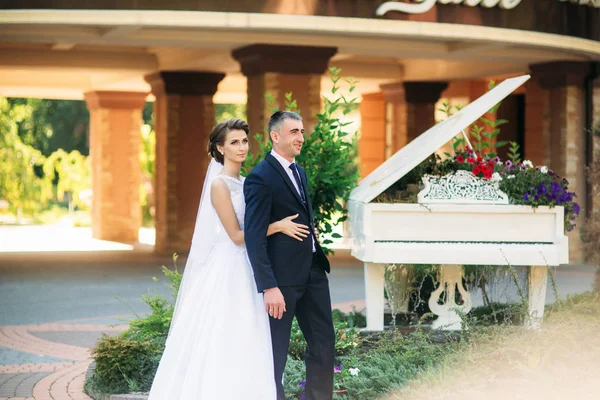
(461, 187)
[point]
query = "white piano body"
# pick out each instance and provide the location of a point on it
(450, 232)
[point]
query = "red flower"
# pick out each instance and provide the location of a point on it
(471, 160)
(479, 159)
(460, 159)
(490, 164)
(476, 170)
(487, 174)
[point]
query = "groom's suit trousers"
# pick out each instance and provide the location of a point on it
(311, 304)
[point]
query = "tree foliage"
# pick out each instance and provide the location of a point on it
(20, 185)
(54, 124)
(28, 178)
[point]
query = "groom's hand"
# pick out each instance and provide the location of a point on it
(274, 302)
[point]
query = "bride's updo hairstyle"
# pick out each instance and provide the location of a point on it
(219, 133)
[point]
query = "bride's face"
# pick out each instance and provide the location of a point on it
(235, 146)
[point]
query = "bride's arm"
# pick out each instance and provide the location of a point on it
(220, 197)
(288, 227)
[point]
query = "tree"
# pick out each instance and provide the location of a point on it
(71, 171)
(54, 124)
(24, 190)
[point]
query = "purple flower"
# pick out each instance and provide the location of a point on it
(576, 208)
(497, 159)
(526, 197)
(508, 164)
(302, 383)
(570, 228)
(338, 368)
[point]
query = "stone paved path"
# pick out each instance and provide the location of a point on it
(48, 361)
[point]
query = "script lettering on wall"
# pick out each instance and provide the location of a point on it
(419, 7)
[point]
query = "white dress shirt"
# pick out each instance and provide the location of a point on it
(286, 167)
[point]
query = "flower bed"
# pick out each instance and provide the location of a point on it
(524, 183)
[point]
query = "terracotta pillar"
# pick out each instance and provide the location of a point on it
(184, 117)
(278, 70)
(396, 117)
(564, 85)
(115, 122)
(420, 106)
(537, 127)
(372, 142)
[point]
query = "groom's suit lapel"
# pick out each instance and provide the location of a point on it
(275, 164)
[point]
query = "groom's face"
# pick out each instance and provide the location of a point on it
(289, 142)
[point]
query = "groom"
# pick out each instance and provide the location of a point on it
(290, 273)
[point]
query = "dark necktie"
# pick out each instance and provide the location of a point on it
(298, 181)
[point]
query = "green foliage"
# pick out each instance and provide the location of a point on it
(513, 153)
(294, 376)
(147, 160)
(228, 111)
(71, 171)
(386, 361)
(124, 365)
(54, 124)
(334, 151)
(128, 362)
(20, 185)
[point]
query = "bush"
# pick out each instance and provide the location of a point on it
(124, 365)
(127, 363)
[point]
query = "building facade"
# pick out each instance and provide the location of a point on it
(408, 56)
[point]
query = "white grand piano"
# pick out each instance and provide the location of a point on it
(462, 220)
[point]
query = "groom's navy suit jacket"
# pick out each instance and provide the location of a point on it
(278, 260)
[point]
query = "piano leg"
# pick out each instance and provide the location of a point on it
(450, 281)
(538, 278)
(374, 284)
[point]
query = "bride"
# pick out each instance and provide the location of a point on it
(219, 344)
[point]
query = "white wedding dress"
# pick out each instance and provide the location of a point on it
(219, 345)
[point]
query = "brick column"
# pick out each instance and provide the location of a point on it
(115, 122)
(537, 127)
(279, 70)
(184, 117)
(372, 142)
(564, 85)
(420, 105)
(396, 116)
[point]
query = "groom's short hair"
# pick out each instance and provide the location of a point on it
(276, 120)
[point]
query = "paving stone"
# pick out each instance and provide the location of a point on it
(85, 339)
(20, 385)
(12, 357)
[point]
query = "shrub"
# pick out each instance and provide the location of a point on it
(124, 365)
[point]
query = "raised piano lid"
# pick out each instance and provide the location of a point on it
(428, 142)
